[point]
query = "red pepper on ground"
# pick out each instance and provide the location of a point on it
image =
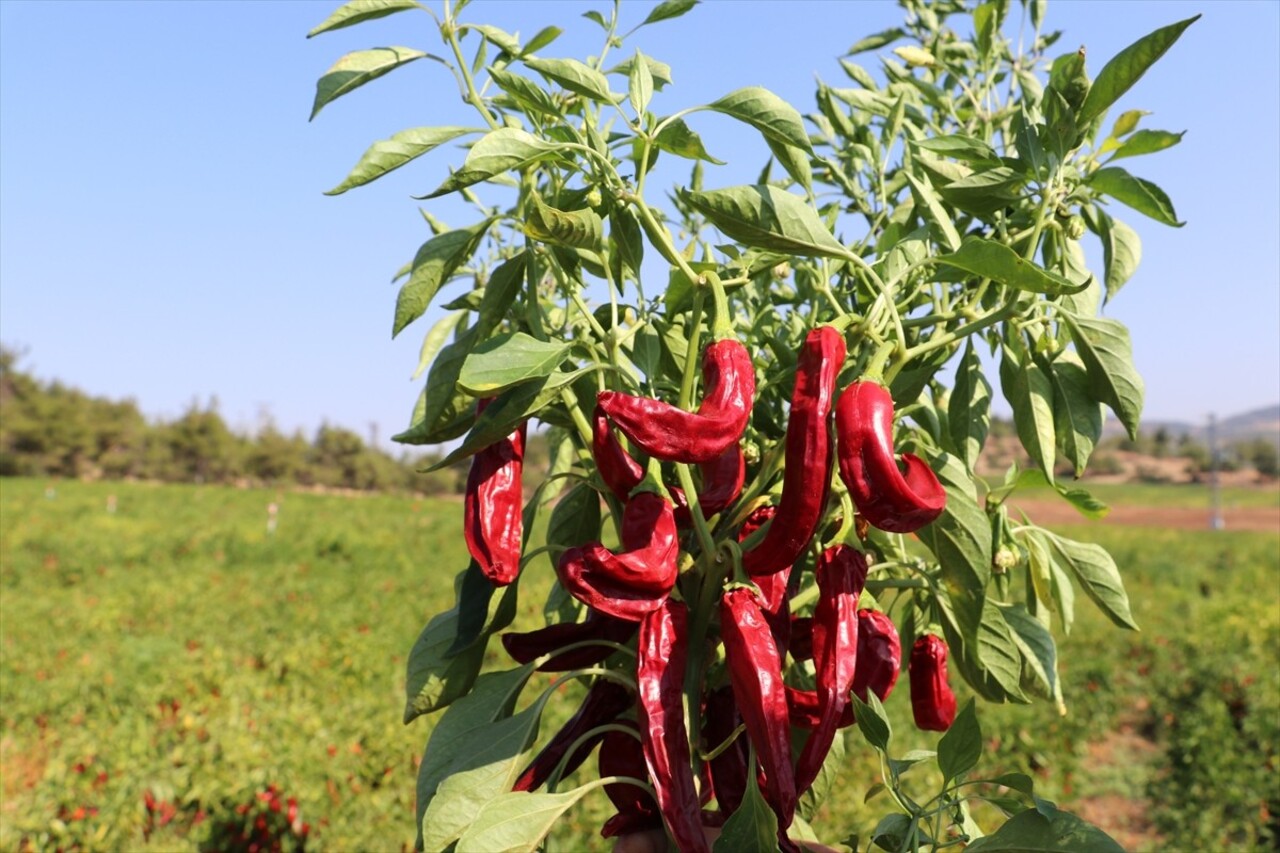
(622, 755)
(619, 471)
(729, 768)
(841, 572)
(531, 645)
(755, 671)
(807, 474)
(890, 499)
(636, 581)
(660, 665)
(604, 702)
(932, 702)
(669, 432)
(722, 480)
(493, 521)
(879, 655)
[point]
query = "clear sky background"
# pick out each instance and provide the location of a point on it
(163, 233)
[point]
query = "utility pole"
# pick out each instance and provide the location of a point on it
(1215, 488)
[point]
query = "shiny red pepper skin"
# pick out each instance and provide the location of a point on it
(604, 702)
(755, 671)
(803, 709)
(932, 703)
(879, 655)
(729, 768)
(493, 521)
(672, 434)
(807, 474)
(619, 471)
(841, 572)
(621, 755)
(772, 586)
(885, 496)
(527, 646)
(722, 480)
(660, 664)
(636, 581)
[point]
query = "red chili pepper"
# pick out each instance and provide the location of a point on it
(932, 702)
(890, 499)
(722, 480)
(670, 433)
(803, 709)
(802, 638)
(841, 572)
(807, 475)
(630, 584)
(621, 755)
(755, 671)
(531, 645)
(660, 665)
(619, 471)
(604, 702)
(493, 522)
(772, 586)
(879, 655)
(729, 768)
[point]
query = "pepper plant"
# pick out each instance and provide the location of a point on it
(765, 405)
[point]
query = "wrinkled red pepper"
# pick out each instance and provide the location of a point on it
(636, 581)
(932, 702)
(672, 434)
(772, 586)
(722, 480)
(888, 498)
(493, 521)
(604, 702)
(622, 755)
(803, 709)
(841, 572)
(729, 768)
(879, 655)
(527, 646)
(755, 671)
(660, 665)
(807, 473)
(620, 472)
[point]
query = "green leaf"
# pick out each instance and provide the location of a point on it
(626, 243)
(497, 152)
(900, 766)
(1052, 586)
(1121, 248)
(984, 192)
(389, 154)
(812, 799)
(666, 10)
(1126, 67)
(795, 161)
(593, 15)
(659, 72)
(941, 228)
(960, 147)
(996, 261)
(578, 229)
(1142, 195)
(499, 38)
(528, 95)
(575, 521)
(872, 720)
(500, 292)
(961, 745)
(960, 539)
(767, 113)
(1107, 353)
(435, 339)
(517, 821)
(767, 218)
(639, 84)
(355, 69)
(990, 663)
(435, 263)
(676, 138)
(576, 77)
(753, 826)
(433, 679)
(508, 360)
(1032, 832)
(439, 407)
(1077, 416)
(1096, 572)
(474, 595)
(877, 41)
(541, 39)
(893, 831)
(1127, 122)
(1039, 653)
(1147, 142)
(1030, 392)
(969, 409)
(358, 11)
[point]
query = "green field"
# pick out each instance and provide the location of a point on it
(175, 650)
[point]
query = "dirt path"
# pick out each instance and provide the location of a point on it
(1260, 519)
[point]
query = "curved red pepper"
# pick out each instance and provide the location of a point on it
(807, 475)
(888, 498)
(493, 521)
(604, 702)
(841, 572)
(660, 665)
(630, 584)
(722, 480)
(932, 703)
(530, 645)
(669, 432)
(729, 768)
(879, 655)
(803, 709)
(622, 755)
(620, 472)
(755, 671)
(772, 586)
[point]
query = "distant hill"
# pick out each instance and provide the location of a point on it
(1259, 423)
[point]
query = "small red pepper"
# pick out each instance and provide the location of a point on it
(619, 471)
(879, 655)
(932, 702)
(755, 671)
(530, 645)
(888, 498)
(722, 480)
(672, 434)
(629, 584)
(604, 702)
(493, 521)
(772, 586)
(621, 755)
(807, 474)
(660, 664)
(728, 769)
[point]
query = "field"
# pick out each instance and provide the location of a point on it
(166, 660)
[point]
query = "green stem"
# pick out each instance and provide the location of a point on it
(691, 352)
(472, 96)
(951, 337)
(705, 538)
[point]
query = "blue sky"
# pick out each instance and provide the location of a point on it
(164, 236)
